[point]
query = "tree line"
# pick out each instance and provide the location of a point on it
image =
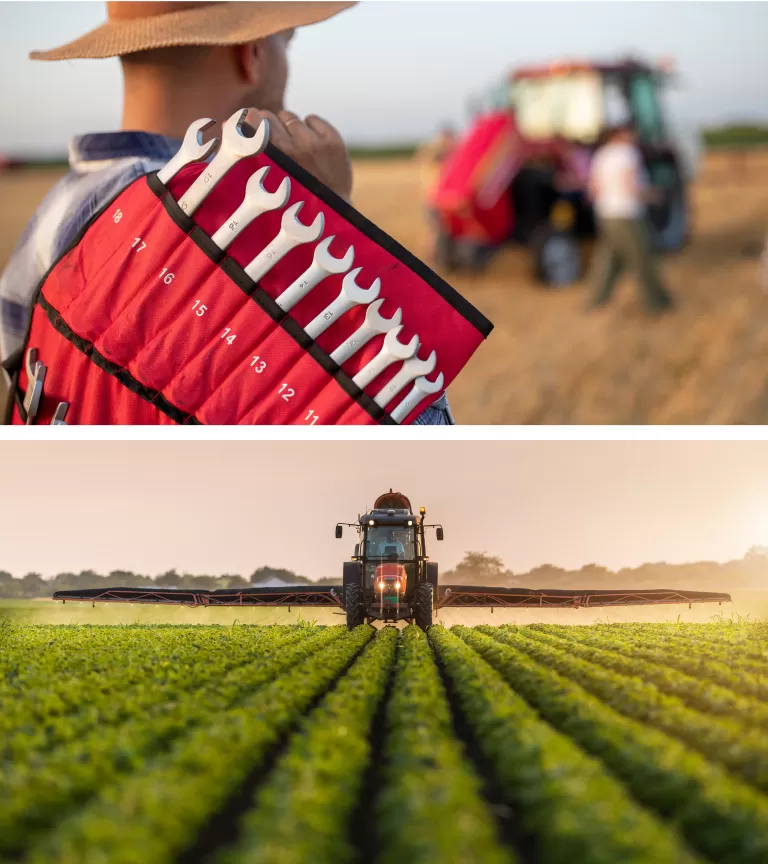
(476, 568)
(33, 585)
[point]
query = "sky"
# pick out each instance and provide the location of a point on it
(392, 71)
(215, 507)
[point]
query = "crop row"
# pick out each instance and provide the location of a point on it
(570, 808)
(26, 728)
(157, 812)
(430, 807)
(738, 747)
(36, 792)
(55, 677)
(725, 819)
(698, 693)
(304, 810)
(701, 652)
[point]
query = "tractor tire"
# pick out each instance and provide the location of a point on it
(445, 251)
(353, 604)
(425, 604)
(557, 257)
(432, 574)
(472, 257)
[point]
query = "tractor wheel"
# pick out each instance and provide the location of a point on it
(445, 251)
(424, 605)
(557, 256)
(353, 603)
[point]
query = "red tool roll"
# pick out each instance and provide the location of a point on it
(145, 320)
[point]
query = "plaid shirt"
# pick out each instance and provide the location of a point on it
(102, 165)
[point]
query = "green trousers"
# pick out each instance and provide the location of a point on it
(625, 244)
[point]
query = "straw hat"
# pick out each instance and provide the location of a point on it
(139, 26)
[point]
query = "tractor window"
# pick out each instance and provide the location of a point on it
(382, 541)
(567, 105)
(646, 108)
(616, 110)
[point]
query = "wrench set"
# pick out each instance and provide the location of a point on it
(230, 303)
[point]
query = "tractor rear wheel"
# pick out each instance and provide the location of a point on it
(445, 251)
(424, 605)
(353, 604)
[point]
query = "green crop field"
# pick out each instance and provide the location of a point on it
(544, 743)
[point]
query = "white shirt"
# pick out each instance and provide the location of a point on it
(610, 166)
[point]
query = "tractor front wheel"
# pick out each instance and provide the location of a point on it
(353, 604)
(425, 605)
(557, 257)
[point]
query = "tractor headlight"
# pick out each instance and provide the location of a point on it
(410, 522)
(371, 522)
(397, 585)
(381, 585)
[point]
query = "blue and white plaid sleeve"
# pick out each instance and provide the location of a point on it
(437, 414)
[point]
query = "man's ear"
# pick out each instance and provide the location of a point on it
(249, 59)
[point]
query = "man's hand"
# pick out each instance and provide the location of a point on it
(313, 143)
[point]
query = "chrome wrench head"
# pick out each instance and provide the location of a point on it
(412, 368)
(292, 233)
(329, 264)
(355, 294)
(257, 201)
(373, 325)
(192, 149)
(323, 265)
(351, 295)
(391, 351)
(234, 147)
(297, 231)
(421, 388)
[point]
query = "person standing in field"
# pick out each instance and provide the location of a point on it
(619, 191)
(181, 61)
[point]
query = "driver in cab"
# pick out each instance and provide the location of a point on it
(385, 546)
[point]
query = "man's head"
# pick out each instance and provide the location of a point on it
(252, 73)
(185, 59)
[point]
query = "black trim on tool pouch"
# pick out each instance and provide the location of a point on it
(154, 397)
(244, 282)
(381, 238)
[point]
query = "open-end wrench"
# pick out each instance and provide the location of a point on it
(234, 147)
(192, 150)
(257, 201)
(59, 414)
(35, 379)
(292, 234)
(391, 351)
(323, 264)
(412, 369)
(421, 388)
(351, 295)
(373, 325)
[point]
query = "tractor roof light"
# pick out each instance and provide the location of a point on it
(422, 510)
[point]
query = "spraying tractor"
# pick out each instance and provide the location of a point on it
(520, 172)
(390, 579)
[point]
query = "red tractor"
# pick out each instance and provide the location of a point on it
(520, 172)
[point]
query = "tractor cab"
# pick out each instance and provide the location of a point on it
(520, 172)
(577, 101)
(390, 550)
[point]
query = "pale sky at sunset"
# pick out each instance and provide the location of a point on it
(229, 507)
(386, 71)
